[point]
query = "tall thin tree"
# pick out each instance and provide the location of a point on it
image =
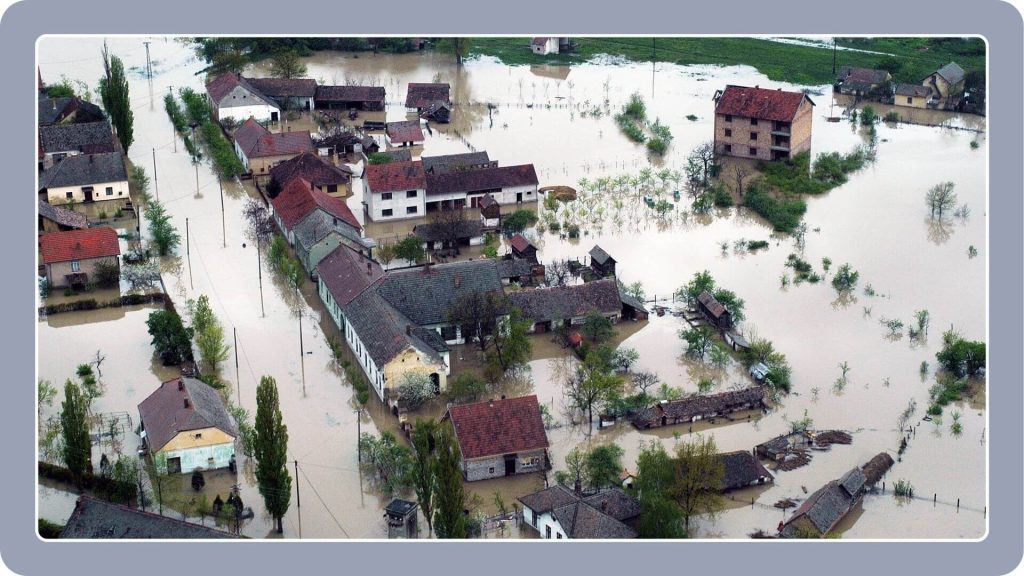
(424, 441)
(114, 95)
(271, 448)
(449, 496)
(75, 431)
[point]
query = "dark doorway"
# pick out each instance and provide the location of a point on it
(273, 116)
(519, 197)
(174, 465)
(435, 379)
(88, 193)
(510, 464)
(664, 421)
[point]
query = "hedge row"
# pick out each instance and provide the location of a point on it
(92, 304)
(103, 487)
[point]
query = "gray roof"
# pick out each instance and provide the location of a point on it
(913, 90)
(97, 519)
(319, 224)
(514, 268)
(685, 409)
(84, 169)
(548, 499)
(346, 274)
(565, 302)
(581, 520)
(386, 332)
(425, 295)
(615, 503)
(741, 469)
(853, 481)
(597, 254)
(825, 508)
(63, 216)
(951, 72)
(465, 230)
(86, 137)
(449, 162)
(54, 110)
(632, 302)
(164, 413)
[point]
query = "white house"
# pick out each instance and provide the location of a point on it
(394, 190)
(559, 513)
(543, 45)
(234, 98)
(85, 178)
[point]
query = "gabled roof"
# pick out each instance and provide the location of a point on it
(346, 273)
(715, 308)
(258, 142)
(319, 225)
(84, 169)
(79, 245)
(395, 176)
(915, 90)
(222, 85)
(87, 137)
(615, 503)
(686, 408)
(520, 243)
(582, 521)
(496, 427)
(862, 76)
(951, 72)
(299, 198)
(97, 519)
(420, 95)
(404, 131)
(450, 162)
(548, 499)
(63, 216)
(853, 482)
(350, 93)
(165, 412)
(741, 469)
(597, 254)
(565, 302)
(312, 168)
(433, 232)
(384, 331)
(426, 295)
(825, 508)
(760, 103)
(515, 268)
(285, 87)
(482, 179)
(539, 40)
(53, 110)
(632, 302)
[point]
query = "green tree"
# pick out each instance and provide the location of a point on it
(575, 474)
(172, 341)
(845, 278)
(415, 388)
(604, 465)
(458, 47)
(590, 384)
(113, 91)
(424, 441)
(391, 462)
(518, 221)
(732, 302)
(466, 386)
(385, 254)
(701, 282)
(140, 180)
(410, 248)
(165, 235)
(286, 64)
(271, 448)
(941, 198)
(698, 340)
(960, 356)
(510, 342)
(660, 517)
(449, 497)
(700, 473)
(597, 327)
(209, 333)
(45, 393)
(77, 449)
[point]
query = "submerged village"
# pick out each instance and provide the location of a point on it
(512, 288)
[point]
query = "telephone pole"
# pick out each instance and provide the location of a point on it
(156, 186)
(359, 435)
(298, 500)
(188, 255)
(302, 354)
(238, 377)
(223, 225)
(149, 66)
(259, 267)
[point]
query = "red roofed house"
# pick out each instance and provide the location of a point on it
(394, 190)
(761, 123)
(71, 257)
(314, 223)
(404, 133)
(234, 99)
(500, 437)
(185, 421)
(260, 150)
(321, 172)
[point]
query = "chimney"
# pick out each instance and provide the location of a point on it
(458, 280)
(181, 384)
(78, 245)
(502, 396)
(578, 488)
(310, 185)
(490, 403)
(408, 329)
(369, 269)
(186, 402)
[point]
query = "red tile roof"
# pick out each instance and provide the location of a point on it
(257, 142)
(499, 427)
(285, 87)
(350, 93)
(760, 103)
(715, 308)
(520, 243)
(299, 198)
(222, 85)
(79, 245)
(396, 176)
(404, 131)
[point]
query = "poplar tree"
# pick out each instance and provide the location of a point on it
(114, 95)
(75, 431)
(423, 440)
(449, 496)
(271, 448)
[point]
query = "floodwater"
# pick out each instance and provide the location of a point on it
(560, 120)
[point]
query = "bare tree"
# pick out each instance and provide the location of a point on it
(941, 198)
(557, 273)
(740, 173)
(644, 380)
(260, 224)
(477, 313)
(705, 155)
(449, 223)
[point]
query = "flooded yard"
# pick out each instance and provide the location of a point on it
(560, 119)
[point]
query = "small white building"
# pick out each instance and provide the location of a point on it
(233, 98)
(85, 178)
(559, 513)
(543, 45)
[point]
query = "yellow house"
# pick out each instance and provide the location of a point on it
(85, 178)
(912, 95)
(185, 421)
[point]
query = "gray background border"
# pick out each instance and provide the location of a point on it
(999, 22)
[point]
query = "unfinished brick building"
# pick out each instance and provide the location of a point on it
(762, 124)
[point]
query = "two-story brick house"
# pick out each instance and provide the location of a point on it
(762, 124)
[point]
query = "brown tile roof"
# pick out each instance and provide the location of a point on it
(520, 243)
(395, 176)
(345, 273)
(222, 85)
(63, 216)
(741, 469)
(615, 503)
(350, 93)
(497, 427)
(714, 307)
(257, 142)
(760, 103)
(310, 167)
(180, 405)
(539, 40)
(686, 409)
(564, 302)
(79, 245)
(420, 95)
(285, 87)
(470, 181)
(862, 76)
(404, 131)
(299, 198)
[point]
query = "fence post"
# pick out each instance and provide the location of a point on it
(935, 498)
(883, 487)
(958, 505)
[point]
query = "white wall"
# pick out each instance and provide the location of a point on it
(398, 204)
(542, 522)
(99, 192)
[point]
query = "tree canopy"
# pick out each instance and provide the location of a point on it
(271, 451)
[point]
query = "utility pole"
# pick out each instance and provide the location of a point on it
(359, 434)
(174, 132)
(188, 255)
(298, 500)
(195, 162)
(302, 354)
(155, 185)
(223, 225)
(259, 267)
(149, 66)
(238, 378)
(833, 57)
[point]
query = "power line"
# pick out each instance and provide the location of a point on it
(333, 517)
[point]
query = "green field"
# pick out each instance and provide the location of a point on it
(798, 64)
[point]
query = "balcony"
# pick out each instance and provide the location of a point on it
(777, 131)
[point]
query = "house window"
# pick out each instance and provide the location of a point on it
(410, 210)
(728, 148)
(547, 531)
(753, 121)
(728, 117)
(411, 194)
(387, 212)
(728, 132)
(753, 151)
(198, 436)
(490, 470)
(209, 463)
(76, 266)
(753, 135)
(110, 190)
(69, 195)
(385, 196)
(558, 536)
(332, 188)
(910, 100)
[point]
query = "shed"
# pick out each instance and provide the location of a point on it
(404, 133)
(601, 262)
(523, 248)
(632, 308)
(401, 516)
(714, 311)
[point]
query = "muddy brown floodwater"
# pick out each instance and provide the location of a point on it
(877, 222)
